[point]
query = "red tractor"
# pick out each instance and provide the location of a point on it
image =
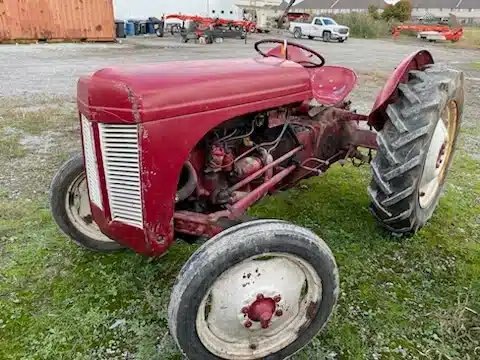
(185, 148)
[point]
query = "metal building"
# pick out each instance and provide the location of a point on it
(56, 20)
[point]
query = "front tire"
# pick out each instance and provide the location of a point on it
(70, 207)
(416, 148)
(327, 36)
(261, 289)
(297, 33)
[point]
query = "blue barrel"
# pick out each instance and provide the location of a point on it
(130, 28)
(150, 28)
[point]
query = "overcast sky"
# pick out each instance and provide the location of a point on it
(125, 9)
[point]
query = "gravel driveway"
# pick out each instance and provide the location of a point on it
(52, 69)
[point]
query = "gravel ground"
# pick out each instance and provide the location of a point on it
(39, 83)
(52, 69)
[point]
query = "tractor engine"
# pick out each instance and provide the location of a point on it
(223, 166)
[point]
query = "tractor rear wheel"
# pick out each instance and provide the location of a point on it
(416, 147)
(259, 290)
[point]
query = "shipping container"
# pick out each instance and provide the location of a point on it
(56, 20)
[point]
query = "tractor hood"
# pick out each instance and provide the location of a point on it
(152, 92)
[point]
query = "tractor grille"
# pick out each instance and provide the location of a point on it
(91, 167)
(343, 31)
(122, 171)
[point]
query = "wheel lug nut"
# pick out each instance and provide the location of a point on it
(260, 296)
(277, 298)
(279, 312)
(248, 324)
(245, 310)
(264, 324)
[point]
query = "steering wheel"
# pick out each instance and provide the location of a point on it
(305, 62)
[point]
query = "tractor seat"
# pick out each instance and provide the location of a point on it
(332, 84)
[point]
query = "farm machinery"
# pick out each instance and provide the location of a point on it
(208, 29)
(451, 30)
(432, 32)
(183, 149)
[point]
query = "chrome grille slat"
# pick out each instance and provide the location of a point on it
(91, 166)
(121, 162)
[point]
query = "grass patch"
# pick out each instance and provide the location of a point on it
(364, 26)
(471, 37)
(36, 120)
(412, 298)
(476, 65)
(10, 147)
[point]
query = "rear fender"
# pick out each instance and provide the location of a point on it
(416, 61)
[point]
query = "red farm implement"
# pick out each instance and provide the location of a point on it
(431, 32)
(206, 28)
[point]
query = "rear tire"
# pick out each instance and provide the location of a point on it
(327, 36)
(415, 150)
(206, 298)
(71, 213)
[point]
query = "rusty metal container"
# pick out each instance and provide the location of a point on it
(56, 20)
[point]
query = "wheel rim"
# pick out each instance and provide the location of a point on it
(258, 306)
(77, 206)
(439, 155)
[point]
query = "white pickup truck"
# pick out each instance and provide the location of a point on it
(323, 27)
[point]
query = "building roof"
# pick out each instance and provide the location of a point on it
(446, 4)
(313, 4)
(435, 4)
(469, 4)
(363, 4)
(357, 4)
(338, 4)
(283, 5)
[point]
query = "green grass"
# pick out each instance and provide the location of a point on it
(412, 298)
(10, 148)
(364, 26)
(471, 37)
(32, 121)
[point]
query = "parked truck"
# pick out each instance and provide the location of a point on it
(323, 27)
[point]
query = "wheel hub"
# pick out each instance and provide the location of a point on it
(258, 307)
(438, 155)
(262, 310)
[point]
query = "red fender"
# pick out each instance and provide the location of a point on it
(387, 95)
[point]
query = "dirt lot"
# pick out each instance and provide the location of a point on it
(57, 301)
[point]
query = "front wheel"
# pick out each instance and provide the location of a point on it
(259, 290)
(297, 34)
(415, 148)
(70, 206)
(326, 36)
